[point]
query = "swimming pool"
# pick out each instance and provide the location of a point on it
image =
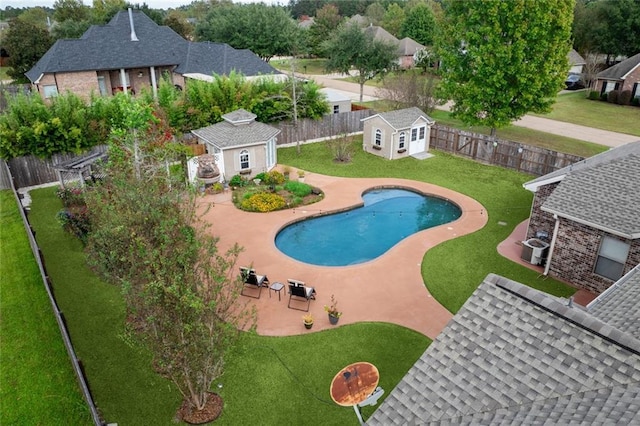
(364, 233)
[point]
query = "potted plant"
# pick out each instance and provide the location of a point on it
(332, 311)
(301, 175)
(308, 321)
(286, 171)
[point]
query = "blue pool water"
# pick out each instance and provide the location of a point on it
(364, 233)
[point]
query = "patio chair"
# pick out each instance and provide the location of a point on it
(253, 281)
(301, 291)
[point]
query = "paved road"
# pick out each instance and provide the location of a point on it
(589, 134)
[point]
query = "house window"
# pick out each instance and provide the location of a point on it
(336, 109)
(414, 135)
(378, 138)
(50, 91)
(421, 133)
(401, 141)
(244, 159)
(611, 258)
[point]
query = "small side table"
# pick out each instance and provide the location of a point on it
(277, 287)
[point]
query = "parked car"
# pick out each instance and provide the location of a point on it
(574, 82)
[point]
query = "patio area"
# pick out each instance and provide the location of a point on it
(389, 288)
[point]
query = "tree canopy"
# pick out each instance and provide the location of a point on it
(350, 47)
(25, 43)
(502, 60)
(420, 25)
(265, 30)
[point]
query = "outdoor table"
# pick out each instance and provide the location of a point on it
(353, 384)
(277, 287)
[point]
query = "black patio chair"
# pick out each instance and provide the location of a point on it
(301, 291)
(252, 280)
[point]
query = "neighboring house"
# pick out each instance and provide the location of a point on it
(240, 144)
(514, 355)
(589, 213)
(306, 21)
(576, 62)
(397, 134)
(406, 48)
(622, 76)
(132, 52)
(359, 20)
(338, 102)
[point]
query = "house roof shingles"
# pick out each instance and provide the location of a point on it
(620, 70)
(402, 118)
(513, 355)
(108, 47)
(604, 196)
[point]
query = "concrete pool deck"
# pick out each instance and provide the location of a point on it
(389, 288)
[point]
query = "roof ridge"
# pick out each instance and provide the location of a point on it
(580, 318)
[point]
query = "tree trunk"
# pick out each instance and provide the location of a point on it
(493, 132)
(361, 91)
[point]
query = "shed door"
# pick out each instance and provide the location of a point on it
(417, 142)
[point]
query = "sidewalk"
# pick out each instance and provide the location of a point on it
(560, 128)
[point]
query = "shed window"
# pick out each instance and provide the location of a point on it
(50, 91)
(401, 140)
(244, 159)
(422, 133)
(336, 109)
(414, 135)
(611, 258)
(378, 138)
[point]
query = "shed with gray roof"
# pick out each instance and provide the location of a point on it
(240, 144)
(514, 355)
(397, 134)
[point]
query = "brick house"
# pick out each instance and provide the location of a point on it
(240, 144)
(588, 213)
(622, 76)
(132, 52)
(397, 134)
(406, 48)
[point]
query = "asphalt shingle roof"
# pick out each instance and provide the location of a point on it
(513, 355)
(107, 47)
(605, 196)
(619, 305)
(402, 118)
(228, 135)
(621, 69)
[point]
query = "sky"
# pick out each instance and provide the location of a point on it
(154, 4)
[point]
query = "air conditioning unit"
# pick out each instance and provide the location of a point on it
(534, 251)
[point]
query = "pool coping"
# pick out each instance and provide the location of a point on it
(389, 288)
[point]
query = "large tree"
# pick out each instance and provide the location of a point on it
(265, 30)
(25, 43)
(147, 237)
(503, 59)
(420, 25)
(73, 10)
(325, 23)
(393, 19)
(351, 47)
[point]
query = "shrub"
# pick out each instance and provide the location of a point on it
(612, 97)
(71, 196)
(263, 202)
(75, 221)
(624, 98)
(603, 97)
(297, 188)
(275, 178)
(238, 181)
(594, 95)
(635, 101)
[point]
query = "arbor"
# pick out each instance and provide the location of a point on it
(504, 59)
(146, 237)
(352, 47)
(26, 43)
(265, 30)
(420, 25)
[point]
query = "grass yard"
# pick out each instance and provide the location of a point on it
(38, 382)
(3, 74)
(267, 380)
(575, 108)
(305, 66)
(453, 269)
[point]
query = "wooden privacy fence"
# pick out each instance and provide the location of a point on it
(511, 155)
(326, 127)
(30, 170)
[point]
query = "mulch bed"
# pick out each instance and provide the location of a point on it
(211, 411)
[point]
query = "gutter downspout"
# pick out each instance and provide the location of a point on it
(154, 83)
(553, 244)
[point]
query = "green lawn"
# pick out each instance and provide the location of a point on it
(38, 385)
(3, 74)
(453, 269)
(267, 380)
(575, 108)
(306, 66)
